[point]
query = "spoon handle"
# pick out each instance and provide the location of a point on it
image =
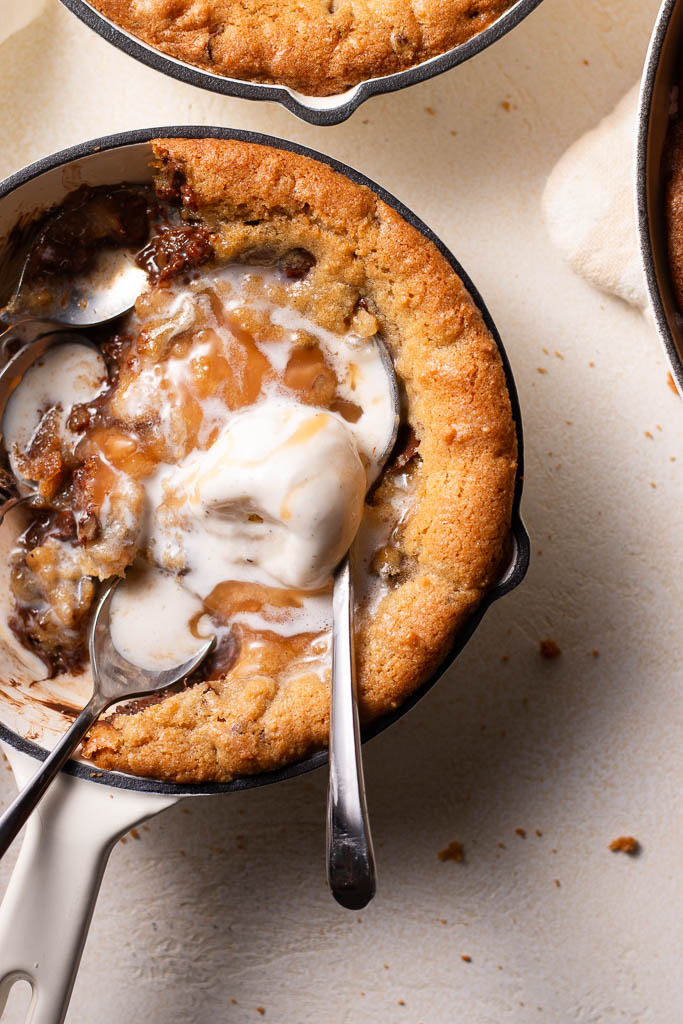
(350, 857)
(20, 810)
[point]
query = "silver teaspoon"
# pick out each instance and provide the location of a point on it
(36, 336)
(351, 872)
(107, 290)
(114, 679)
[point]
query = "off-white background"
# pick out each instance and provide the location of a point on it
(224, 899)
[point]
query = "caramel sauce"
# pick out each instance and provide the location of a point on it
(309, 376)
(229, 598)
(348, 410)
(216, 357)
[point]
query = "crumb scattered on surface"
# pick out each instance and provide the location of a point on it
(649, 434)
(453, 131)
(261, 1010)
(549, 649)
(653, 484)
(134, 834)
(401, 1002)
(541, 369)
(506, 105)
(466, 957)
(596, 654)
(521, 832)
(625, 844)
(672, 384)
(538, 832)
(502, 846)
(430, 111)
(505, 658)
(556, 883)
(454, 851)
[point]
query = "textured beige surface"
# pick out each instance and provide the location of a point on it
(583, 748)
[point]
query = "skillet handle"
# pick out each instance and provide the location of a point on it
(48, 905)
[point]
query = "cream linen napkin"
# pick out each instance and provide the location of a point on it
(16, 14)
(589, 206)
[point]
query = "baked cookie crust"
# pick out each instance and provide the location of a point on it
(673, 202)
(455, 535)
(317, 47)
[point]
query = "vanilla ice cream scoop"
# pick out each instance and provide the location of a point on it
(276, 500)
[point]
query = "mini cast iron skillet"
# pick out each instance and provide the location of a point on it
(662, 74)
(320, 110)
(46, 911)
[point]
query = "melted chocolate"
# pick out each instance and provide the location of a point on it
(173, 250)
(87, 221)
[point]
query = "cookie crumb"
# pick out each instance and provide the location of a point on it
(401, 1002)
(625, 844)
(454, 851)
(466, 957)
(541, 369)
(538, 832)
(134, 834)
(521, 832)
(556, 883)
(430, 111)
(506, 105)
(672, 384)
(549, 649)
(596, 654)
(649, 434)
(261, 1010)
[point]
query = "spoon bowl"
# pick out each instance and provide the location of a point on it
(114, 679)
(107, 291)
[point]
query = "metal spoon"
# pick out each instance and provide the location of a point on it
(114, 679)
(350, 856)
(106, 291)
(15, 490)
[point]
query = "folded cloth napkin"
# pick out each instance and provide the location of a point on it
(16, 14)
(589, 207)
